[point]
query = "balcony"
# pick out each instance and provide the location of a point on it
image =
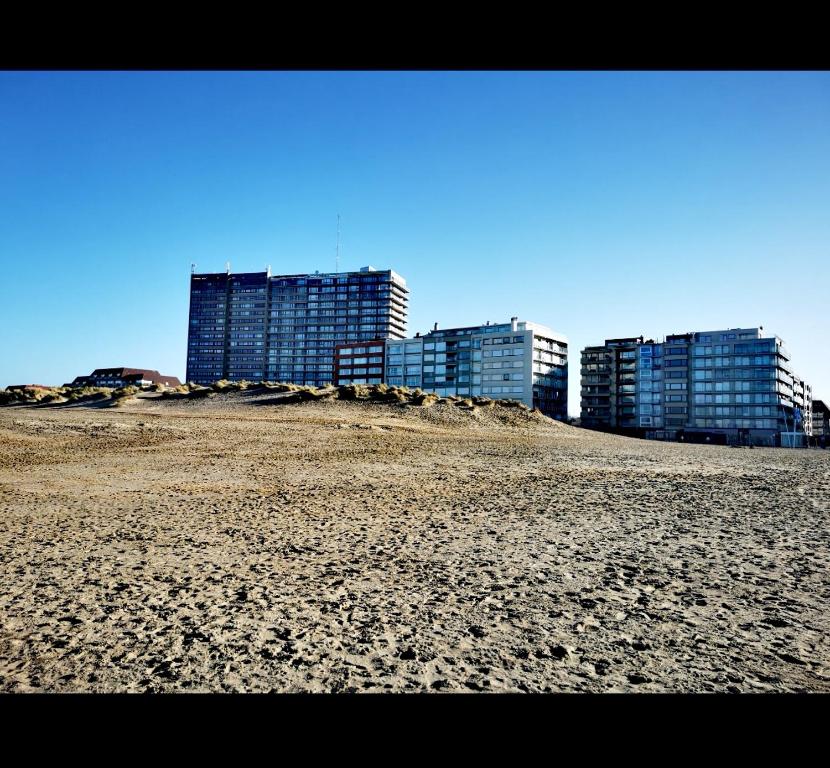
(395, 299)
(596, 401)
(783, 365)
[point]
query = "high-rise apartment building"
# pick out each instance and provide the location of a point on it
(733, 386)
(285, 327)
(513, 361)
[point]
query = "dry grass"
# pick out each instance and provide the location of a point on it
(379, 393)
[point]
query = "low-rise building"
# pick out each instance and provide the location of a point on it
(123, 377)
(21, 387)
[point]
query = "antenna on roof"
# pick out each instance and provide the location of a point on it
(337, 250)
(228, 267)
(192, 269)
(268, 270)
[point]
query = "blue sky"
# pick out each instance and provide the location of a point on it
(602, 204)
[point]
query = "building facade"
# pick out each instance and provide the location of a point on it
(821, 422)
(123, 377)
(729, 386)
(359, 362)
(285, 327)
(518, 360)
(609, 382)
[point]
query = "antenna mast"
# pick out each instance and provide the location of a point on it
(337, 257)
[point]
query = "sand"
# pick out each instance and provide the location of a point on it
(239, 544)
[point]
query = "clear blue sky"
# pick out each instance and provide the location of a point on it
(600, 204)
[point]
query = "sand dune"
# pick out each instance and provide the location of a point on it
(236, 543)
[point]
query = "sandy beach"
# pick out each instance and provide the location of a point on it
(241, 544)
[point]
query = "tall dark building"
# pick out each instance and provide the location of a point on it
(285, 327)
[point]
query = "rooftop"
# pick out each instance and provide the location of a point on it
(267, 273)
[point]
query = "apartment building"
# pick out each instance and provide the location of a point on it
(728, 386)
(359, 362)
(285, 327)
(821, 421)
(518, 360)
(609, 384)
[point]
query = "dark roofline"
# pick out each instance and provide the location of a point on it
(441, 331)
(131, 373)
(296, 275)
(627, 340)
